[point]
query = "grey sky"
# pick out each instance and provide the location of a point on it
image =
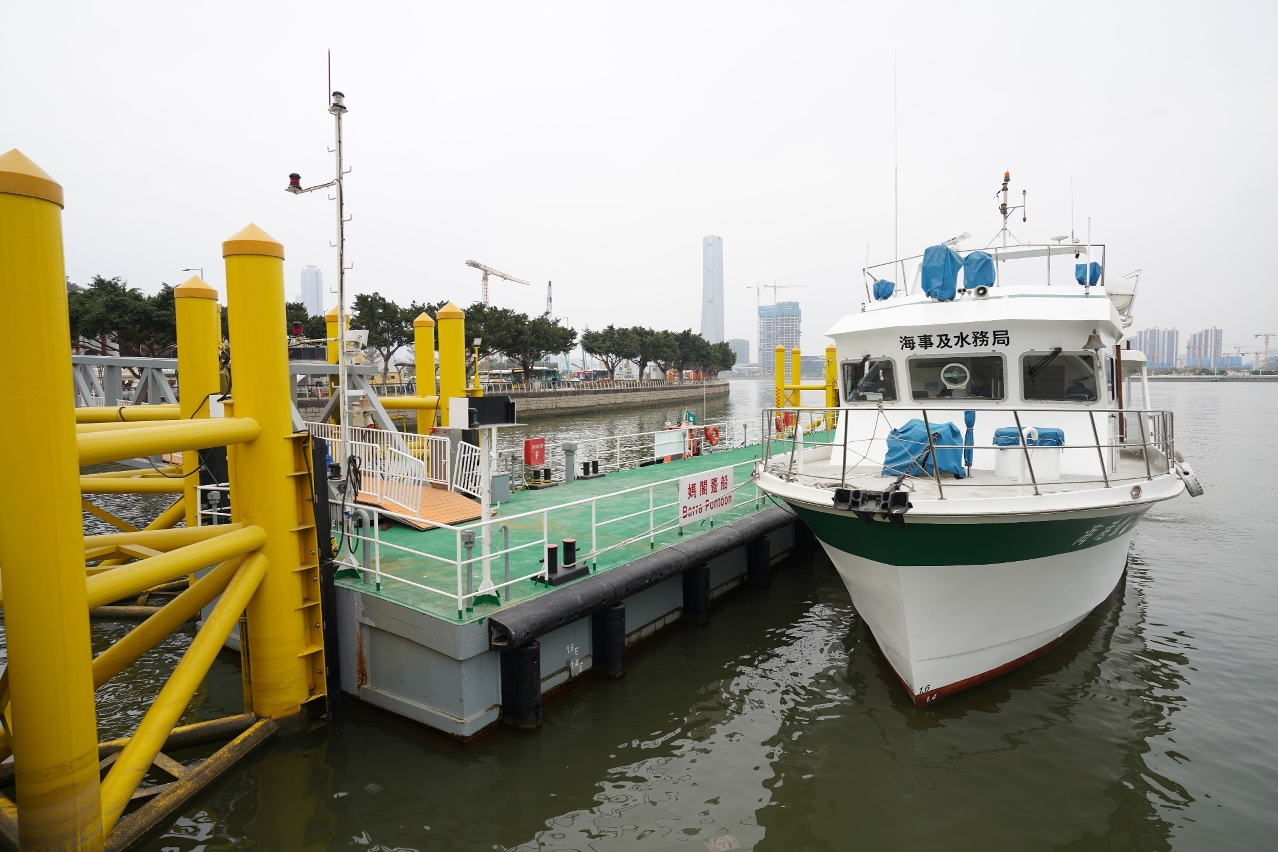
(596, 144)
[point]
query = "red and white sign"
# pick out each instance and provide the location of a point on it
(535, 452)
(704, 495)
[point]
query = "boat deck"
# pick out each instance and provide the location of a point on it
(620, 528)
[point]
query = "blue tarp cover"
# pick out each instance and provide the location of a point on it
(1079, 273)
(941, 265)
(1048, 436)
(907, 445)
(883, 289)
(978, 270)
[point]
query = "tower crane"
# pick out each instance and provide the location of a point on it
(488, 270)
(774, 287)
(1266, 336)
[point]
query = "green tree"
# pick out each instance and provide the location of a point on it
(141, 325)
(665, 350)
(612, 345)
(389, 326)
(532, 339)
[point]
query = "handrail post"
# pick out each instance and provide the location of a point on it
(652, 542)
(1100, 456)
(843, 472)
(1020, 433)
(545, 539)
(936, 468)
(594, 531)
(505, 546)
(461, 607)
(1144, 446)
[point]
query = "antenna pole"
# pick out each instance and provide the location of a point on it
(896, 170)
(337, 108)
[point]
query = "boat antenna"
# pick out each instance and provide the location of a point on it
(896, 170)
(1006, 210)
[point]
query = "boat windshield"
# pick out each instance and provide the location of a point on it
(1059, 376)
(957, 377)
(869, 380)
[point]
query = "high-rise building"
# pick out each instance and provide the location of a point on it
(712, 289)
(1160, 345)
(741, 347)
(778, 325)
(1203, 349)
(313, 290)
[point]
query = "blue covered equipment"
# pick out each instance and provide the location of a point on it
(1080, 273)
(1045, 436)
(941, 265)
(907, 447)
(978, 270)
(883, 289)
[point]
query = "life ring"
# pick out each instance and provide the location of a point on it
(712, 435)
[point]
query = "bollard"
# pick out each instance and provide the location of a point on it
(199, 331)
(696, 594)
(42, 543)
(759, 563)
(570, 552)
(286, 653)
(521, 686)
(552, 560)
(608, 640)
(570, 461)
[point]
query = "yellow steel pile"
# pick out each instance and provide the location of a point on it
(264, 576)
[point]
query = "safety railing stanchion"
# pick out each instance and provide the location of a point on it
(545, 539)
(1020, 434)
(377, 549)
(843, 464)
(652, 541)
(594, 532)
(505, 546)
(936, 468)
(1100, 456)
(1144, 443)
(461, 607)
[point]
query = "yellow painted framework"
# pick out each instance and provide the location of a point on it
(264, 564)
(787, 393)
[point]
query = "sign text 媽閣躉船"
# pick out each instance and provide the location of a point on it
(703, 495)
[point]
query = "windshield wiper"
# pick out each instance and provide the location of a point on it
(1042, 365)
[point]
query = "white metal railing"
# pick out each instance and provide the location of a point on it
(214, 503)
(394, 466)
(622, 452)
(1146, 438)
(518, 543)
(467, 479)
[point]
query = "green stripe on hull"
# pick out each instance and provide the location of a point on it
(979, 542)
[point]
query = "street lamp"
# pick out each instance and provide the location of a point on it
(199, 269)
(478, 340)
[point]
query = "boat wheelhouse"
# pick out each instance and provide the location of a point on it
(978, 485)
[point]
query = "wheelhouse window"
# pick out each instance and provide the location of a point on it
(957, 377)
(869, 380)
(1058, 376)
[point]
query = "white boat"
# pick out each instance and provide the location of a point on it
(978, 485)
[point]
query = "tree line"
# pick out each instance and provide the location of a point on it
(109, 310)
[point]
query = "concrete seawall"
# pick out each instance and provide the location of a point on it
(550, 402)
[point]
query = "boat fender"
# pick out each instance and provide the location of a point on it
(1186, 474)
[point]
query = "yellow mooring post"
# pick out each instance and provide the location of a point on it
(831, 378)
(46, 613)
(424, 355)
(452, 358)
(796, 377)
(199, 331)
(778, 376)
(286, 654)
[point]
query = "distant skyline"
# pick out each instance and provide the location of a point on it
(595, 145)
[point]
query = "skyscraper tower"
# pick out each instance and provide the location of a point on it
(313, 290)
(712, 289)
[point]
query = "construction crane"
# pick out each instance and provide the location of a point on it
(1239, 352)
(488, 270)
(1266, 336)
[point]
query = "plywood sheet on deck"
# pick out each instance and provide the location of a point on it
(437, 507)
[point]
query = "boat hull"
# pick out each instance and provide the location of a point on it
(953, 602)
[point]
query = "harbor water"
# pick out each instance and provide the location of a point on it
(779, 726)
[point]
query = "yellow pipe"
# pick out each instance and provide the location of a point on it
(831, 378)
(85, 428)
(103, 515)
(145, 573)
(266, 494)
(126, 413)
(424, 356)
(781, 398)
(796, 376)
(136, 758)
(168, 618)
(161, 539)
(452, 357)
(170, 516)
(820, 387)
(130, 485)
(99, 447)
(42, 548)
(411, 403)
(199, 333)
(145, 473)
